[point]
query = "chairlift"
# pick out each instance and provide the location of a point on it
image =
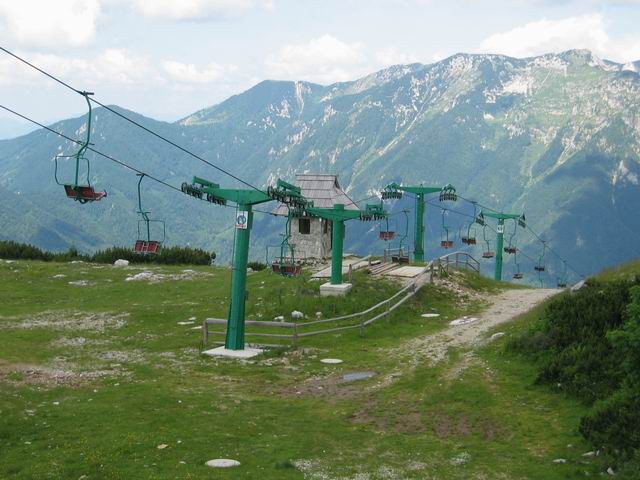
(80, 192)
(488, 253)
(470, 237)
(144, 244)
(286, 265)
(445, 242)
(517, 275)
(511, 246)
(387, 234)
(562, 279)
(402, 255)
(540, 267)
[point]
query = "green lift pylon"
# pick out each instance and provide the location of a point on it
(501, 217)
(338, 215)
(394, 191)
(244, 199)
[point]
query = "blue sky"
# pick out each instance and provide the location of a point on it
(169, 58)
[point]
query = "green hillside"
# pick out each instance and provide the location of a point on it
(101, 376)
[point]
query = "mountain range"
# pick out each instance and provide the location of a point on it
(555, 136)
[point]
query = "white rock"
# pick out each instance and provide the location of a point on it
(560, 460)
(186, 323)
(497, 335)
(296, 315)
(610, 471)
(318, 314)
(589, 454)
(331, 361)
(460, 459)
(121, 263)
(578, 286)
(279, 318)
(463, 321)
(60, 275)
(222, 463)
(430, 315)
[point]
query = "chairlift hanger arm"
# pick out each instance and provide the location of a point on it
(501, 216)
(417, 190)
(239, 196)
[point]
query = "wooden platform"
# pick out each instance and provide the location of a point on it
(356, 263)
(406, 272)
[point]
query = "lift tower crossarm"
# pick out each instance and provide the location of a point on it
(501, 217)
(390, 191)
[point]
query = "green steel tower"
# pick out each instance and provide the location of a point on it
(338, 215)
(244, 200)
(501, 217)
(394, 191)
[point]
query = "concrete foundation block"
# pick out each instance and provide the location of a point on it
(223, 352)
(329, 290)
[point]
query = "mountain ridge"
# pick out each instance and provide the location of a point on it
(556, 135)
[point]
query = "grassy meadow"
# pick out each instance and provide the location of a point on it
(102, 378)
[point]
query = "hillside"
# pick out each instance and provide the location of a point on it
(84, 350)
(556, 136)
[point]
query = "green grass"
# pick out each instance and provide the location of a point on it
(156, 388)
(624, 271)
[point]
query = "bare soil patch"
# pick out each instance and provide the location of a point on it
(66, 320)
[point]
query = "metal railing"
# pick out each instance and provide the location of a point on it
(456, 260)
(300, 330)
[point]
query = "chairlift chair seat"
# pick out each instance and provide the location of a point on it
(488, 254)
(518, 276)
(83, 193)
(147, 247)
(539, 268)
(387, 235)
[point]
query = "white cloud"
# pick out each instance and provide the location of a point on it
(546, 36)
(190, 73)
(197, 9)
(392, 56)
(325, 59)
(112, 66)
(45, 23)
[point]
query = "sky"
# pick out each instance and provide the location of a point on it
(169, 58)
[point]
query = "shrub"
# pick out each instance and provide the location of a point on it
(588, 342)
(257, 266)
(168, 255)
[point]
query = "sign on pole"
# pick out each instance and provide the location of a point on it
(242, 220)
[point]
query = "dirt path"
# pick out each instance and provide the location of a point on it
(468, 332)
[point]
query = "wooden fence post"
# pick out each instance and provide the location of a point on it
(295, 335)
